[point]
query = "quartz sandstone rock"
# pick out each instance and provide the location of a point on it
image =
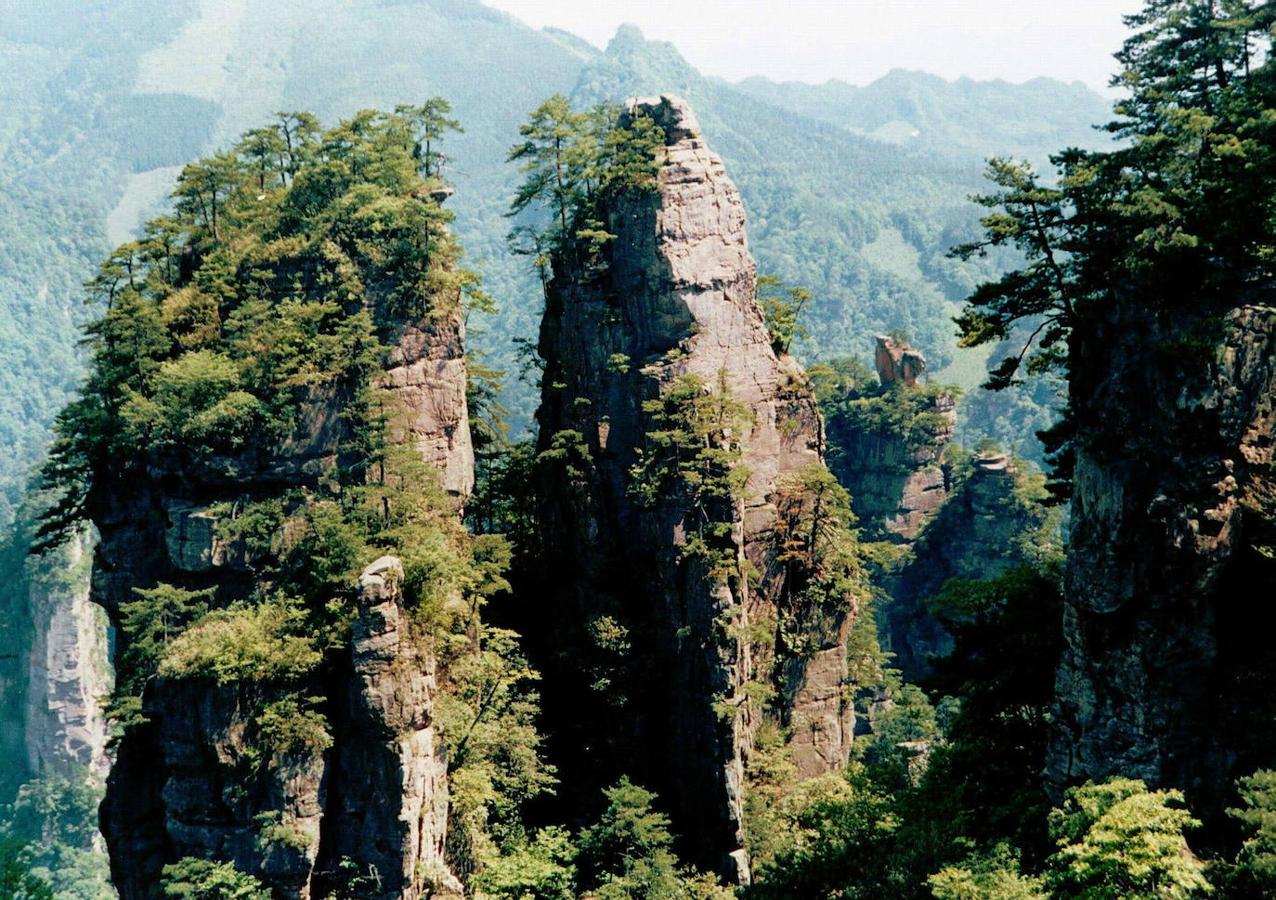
(1166, 671)
(895, 488)
(897, 362)
(391, 749)
(379, 795)
(678, 298)
(65, 668)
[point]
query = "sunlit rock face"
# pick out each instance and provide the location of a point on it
(677, 296)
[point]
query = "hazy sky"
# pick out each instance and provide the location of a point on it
(859, 40)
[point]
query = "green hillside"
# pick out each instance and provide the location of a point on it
(100, 109)
(962, 118)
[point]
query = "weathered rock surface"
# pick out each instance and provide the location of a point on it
(54, 669)
(68, 671)
(391, 750)
(378, 796)
(1167, 670)
(897, 362)
(897, 485)
(427, 377)
(984, 528)
(676, 298)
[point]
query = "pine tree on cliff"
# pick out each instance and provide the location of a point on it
(259, 374)
(1149, 280)
(1176, 220)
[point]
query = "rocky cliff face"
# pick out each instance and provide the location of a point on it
(378, 795)
(891, 465)
(55, 668)
(68, 671)
(677, 299)
(985, 527)
(390, 750)
(1166, 620)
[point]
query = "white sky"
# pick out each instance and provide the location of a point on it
(859, 40)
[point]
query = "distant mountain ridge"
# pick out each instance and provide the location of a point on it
(104, 101)
(962, 117)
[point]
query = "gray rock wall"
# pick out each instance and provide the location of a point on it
(1166, 672)
(678, 297)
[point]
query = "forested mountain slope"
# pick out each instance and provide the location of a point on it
(71, 133)
(961, 118)
(99, 108)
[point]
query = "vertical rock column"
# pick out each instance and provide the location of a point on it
(377, 798)
(67, 667)
(1167, 666)
(678, 298)
(895, 488)
(391, 750)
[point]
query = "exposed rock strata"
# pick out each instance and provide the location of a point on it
(897, 362)
(1167, 668)
(678, 298)
(379, 795)
(54, 667)
(897, 485)
(391, 750)
(983, 529)
(68, 672)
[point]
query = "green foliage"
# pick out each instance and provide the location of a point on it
(842, 846)
(200, 879)
(982, 783)
(1257, 858)
(994, 876)
(856, 408)
(573, 163)
(291, 725)
(494, 760)
(260, 643)
(782, 310)
(692, 454)
(150, 623)
(196, 402)
(626, 854)
(310, 247)
(502, 500)
(820, 552)
(49, 840)
(904, 727)
(1173, 223)
(429, 123)
(268, 297)
(275, 831)
(1119, 840)
(17, 881)
(541, 869)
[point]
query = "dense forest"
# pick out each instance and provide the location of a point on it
(576, 558)
(103, 105)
